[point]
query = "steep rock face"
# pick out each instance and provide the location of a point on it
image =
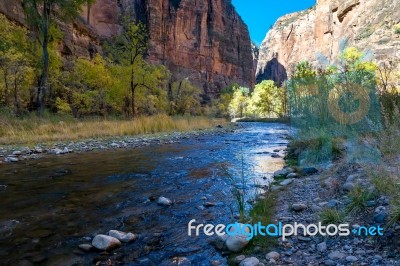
(205, 41)
(316, 35)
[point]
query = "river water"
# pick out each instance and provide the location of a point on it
(51, 205)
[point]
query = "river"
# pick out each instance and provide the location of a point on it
(51, 205)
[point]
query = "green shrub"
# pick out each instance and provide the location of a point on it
(331, 216)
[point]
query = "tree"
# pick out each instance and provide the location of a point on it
(304, 70)
(185, 98)
(15, 68)
(128, 49)
(238, 105)
(267, 100)
(41, 15)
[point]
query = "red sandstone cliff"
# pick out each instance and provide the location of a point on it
(204, 40)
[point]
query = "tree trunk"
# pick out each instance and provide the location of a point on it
(43, 77)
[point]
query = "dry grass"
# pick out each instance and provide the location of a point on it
(31, 130)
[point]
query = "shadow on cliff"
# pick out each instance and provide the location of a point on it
(273, 71)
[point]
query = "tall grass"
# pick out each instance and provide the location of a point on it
(32, 129)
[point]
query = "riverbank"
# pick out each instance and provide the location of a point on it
(88, 136)
(32, 130)
(363, 195)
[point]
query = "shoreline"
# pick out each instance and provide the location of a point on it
(339, 193)
(19, 153)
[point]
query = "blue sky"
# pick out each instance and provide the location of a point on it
(259, 15)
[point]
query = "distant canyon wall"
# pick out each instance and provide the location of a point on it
(316, 34)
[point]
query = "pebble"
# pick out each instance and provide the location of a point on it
(292, 175)
(351, 259)
(286, 182)
(238, 259)
(85, 247)
(252, 261)
(103, 242)
(122, 236)
(298, 207)
(348, 187)
(321, 247)
(162, 201)
(336, 255)
(273, 255)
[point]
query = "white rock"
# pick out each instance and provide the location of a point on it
(292, 175)
(104, 242)
(252, 261)
(273, 255)
(85, 247)
(122, 236)
(237, 242)
(11, 160)
(17, 153)
(239, 259)
(286, 182)
(162, 201)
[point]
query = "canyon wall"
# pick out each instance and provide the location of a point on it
(317, 35)
(205, 41)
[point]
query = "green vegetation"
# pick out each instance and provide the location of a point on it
(41, 16)
(263, 211)
(397, 29)
(358, 200)
(266, 100)
(331, 216)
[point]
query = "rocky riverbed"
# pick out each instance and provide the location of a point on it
(56, 210)
(14, 153)
(304, 197)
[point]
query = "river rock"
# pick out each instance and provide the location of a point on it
(252, 261)
(273, 255)
(298, 207)
(85, 247)
(309, 171)
(286, 182)
(283, 172)
(17, 153)
(380, 214)
(321, 247)
(103, 242)
(351, 259)
(239, 259)
(336, 255)
(237, 242)
(162, 201)
(292, 175)
(122, 236)
(11, 159)
(348, 186)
